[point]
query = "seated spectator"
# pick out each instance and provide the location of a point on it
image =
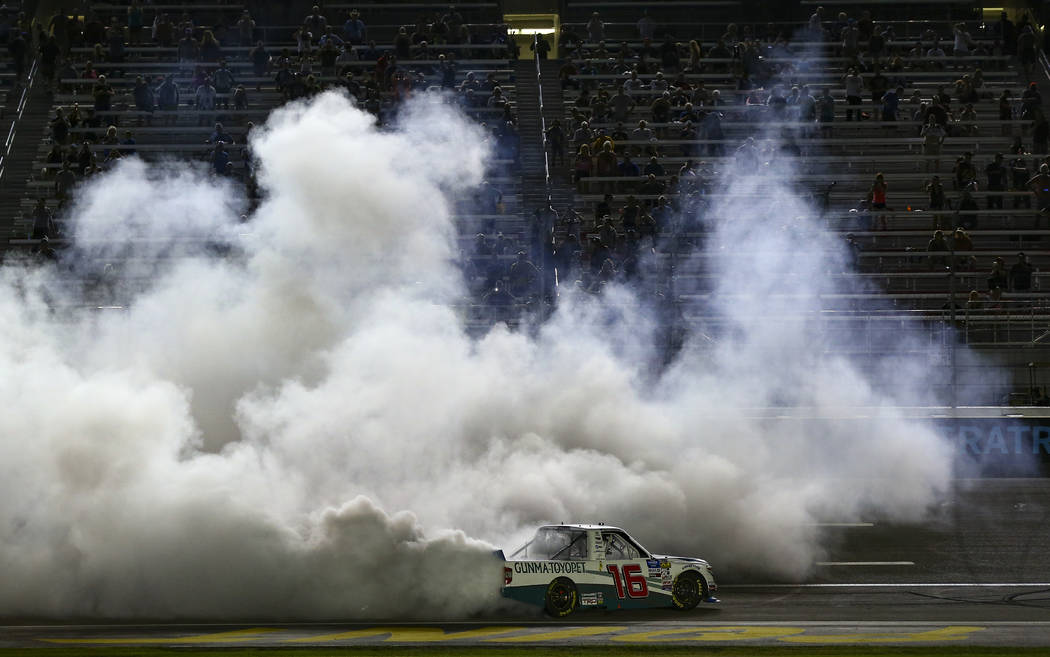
(220, 134)
(628, 168)
(654, 168)
(642, 133)
(938, 244)
(583, 166)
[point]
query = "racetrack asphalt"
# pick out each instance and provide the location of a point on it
(977, 574)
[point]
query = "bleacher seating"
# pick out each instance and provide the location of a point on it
(833, 162)
(716, 101)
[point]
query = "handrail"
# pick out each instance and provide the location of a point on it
(543, 121)
(20, 107)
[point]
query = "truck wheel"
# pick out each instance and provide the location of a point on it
(687, 591)
(562, 597)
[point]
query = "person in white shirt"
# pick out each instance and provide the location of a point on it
(854, 88)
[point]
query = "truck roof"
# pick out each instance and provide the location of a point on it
(582, 526)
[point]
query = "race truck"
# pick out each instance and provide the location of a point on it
(568, 567)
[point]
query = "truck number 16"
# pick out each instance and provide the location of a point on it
(630, 577)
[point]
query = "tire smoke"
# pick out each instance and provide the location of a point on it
(304, 430)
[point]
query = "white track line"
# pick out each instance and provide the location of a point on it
(843, 524)
(865, 563)
(1005, 585)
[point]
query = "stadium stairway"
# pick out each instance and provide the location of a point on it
(18, 166)
(533, 183)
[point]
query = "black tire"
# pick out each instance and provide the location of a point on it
(687, 590)
(562, 597)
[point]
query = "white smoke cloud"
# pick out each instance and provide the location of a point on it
(303, 430)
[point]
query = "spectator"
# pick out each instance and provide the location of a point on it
(102, 92)
(220, 157)
(143, 95)
(642, 133)
(1021, 274)
(853, 253)
(826, 112)
(646, 26)
(854, 88)
(43, 221)
(135, 21)
(595, 29)
(499, 296)
(1040, 185)
(219, 134)
(315, 22)
(998, 278)
(654, 168)
(961, 242)
(523, 277)
(661, 108)
(935, 192)
(204, 96)
(605, 162)
(556, 142)
(1007, 32)
(59, 128)
(1019, 178)
(933, 134)
(224, 82)
(996, 174)
(354, 29)
(1026, 49)
(65, 180)
(540, 46)
(168, 94)
(188, 49)
(890, 104)
(1040, 132)
(964, 171)
(963, 41)
(1006, 113)
(245, 29)
(877, 199)
(878, 84)
(628, 168)
(938, 244)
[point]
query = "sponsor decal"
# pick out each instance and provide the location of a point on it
(549, 567)
(653, 563)
(655, 573)
(666, 586)
(665, 564)
(592, 600)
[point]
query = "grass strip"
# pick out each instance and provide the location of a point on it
(545, 651)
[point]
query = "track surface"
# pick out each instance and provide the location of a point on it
(977, 574)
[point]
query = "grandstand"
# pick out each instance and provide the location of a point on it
(716, 83)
